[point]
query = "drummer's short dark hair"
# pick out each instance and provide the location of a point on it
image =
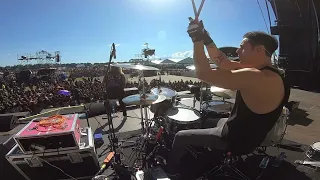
(269, 42)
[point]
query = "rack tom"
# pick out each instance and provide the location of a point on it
(216, 109)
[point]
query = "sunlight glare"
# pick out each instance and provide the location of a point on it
(157, 3)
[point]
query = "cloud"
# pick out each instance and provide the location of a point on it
(183, 54)
(115, 45)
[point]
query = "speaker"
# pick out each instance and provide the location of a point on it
(7, 122)
(7, 171)
(95, 109)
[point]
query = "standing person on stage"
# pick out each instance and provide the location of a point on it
(261, 94)
(115, 87)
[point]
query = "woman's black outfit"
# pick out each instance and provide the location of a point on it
(115, 89)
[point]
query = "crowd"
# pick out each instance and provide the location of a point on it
(94, 71)
(20, 97)
(100, 71)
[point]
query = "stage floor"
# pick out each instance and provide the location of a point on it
(288, 170)
(124, 128)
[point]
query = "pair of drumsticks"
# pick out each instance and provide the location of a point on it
(196, 13)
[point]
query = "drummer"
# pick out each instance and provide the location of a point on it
(257, 106)
(115, 87)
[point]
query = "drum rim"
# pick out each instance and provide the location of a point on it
(226, 102)
(184, 122)
(207, 108)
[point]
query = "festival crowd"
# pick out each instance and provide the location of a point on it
(20, 97)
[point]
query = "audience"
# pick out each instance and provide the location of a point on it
(39, 95)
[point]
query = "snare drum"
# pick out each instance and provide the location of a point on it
(314, 152)
(180, 118)
(216, 109)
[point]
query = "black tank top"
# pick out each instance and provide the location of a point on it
(246, 130)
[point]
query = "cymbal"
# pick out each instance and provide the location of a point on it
(224, 93)
(167, 92)
(193, 67)
(136, 99)
(135, 66)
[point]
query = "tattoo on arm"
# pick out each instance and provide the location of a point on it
(220, 58)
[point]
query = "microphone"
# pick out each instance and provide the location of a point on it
(114, 51)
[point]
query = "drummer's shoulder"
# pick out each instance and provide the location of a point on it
(254, 73)
(244, 70)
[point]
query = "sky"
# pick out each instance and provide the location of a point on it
(82, 30)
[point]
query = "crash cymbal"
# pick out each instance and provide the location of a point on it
(193, 67)
(149, 99)
(167, 92)
(136, 66)
(224, 93)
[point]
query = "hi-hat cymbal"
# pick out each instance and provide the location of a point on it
(193, 67)
(137, 67)
(224, 93)
(149, 99)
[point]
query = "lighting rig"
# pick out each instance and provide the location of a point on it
(42, 57)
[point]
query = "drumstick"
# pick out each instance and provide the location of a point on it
(197, 14)
(200, 8)
(194, 8)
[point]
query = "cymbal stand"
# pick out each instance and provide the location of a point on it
(143, 108)
(201, 94)
(201, 98)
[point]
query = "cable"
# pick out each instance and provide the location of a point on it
(268, 13)
(265, 22)
(34, 155)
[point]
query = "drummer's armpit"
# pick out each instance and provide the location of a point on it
(220, 59)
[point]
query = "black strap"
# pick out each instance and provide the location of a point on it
(287, 88)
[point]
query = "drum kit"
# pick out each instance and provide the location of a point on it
(170, 115)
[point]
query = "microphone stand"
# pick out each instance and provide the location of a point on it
(120, 170)
(111, 136)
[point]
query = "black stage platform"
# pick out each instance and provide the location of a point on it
(124, 128)
(286, 171)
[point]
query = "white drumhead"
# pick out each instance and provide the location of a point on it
(183, 115)
(316, 146)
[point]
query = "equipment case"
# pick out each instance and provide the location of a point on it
(79, 163)
(50, 138)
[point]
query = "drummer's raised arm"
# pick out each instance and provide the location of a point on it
(220, 59)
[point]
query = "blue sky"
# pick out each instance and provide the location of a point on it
(82, 30)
